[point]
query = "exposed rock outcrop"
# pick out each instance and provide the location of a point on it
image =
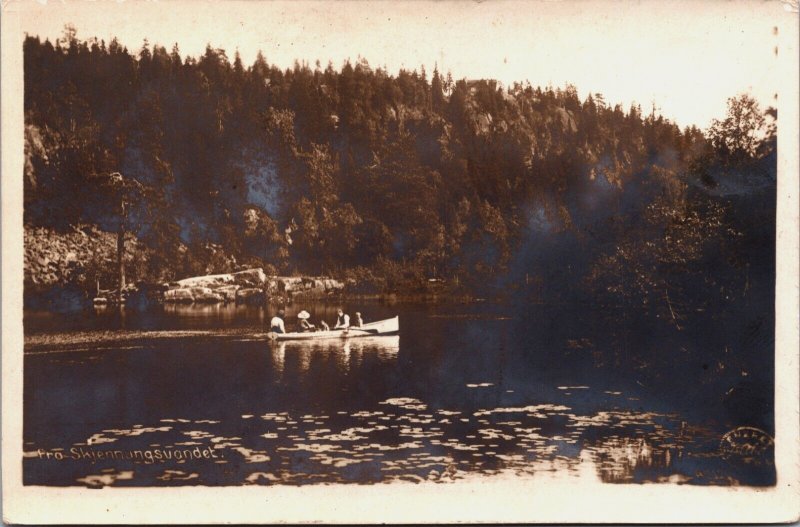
(250, 295)
(228, 292)
(79, 256)
(179, 296)
(251, 286)
(85, 258)
(250, 277)
(214, 280)
(208, 298)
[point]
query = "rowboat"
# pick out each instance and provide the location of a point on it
(390, 326)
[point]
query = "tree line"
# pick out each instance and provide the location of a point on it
(396, 179)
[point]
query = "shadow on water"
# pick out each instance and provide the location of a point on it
(185, 396)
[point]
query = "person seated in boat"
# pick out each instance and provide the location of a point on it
(324, 325)
(358, 321)
(305, 325)
(342, 320)
(276, 324)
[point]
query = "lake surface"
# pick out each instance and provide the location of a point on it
(186, 395)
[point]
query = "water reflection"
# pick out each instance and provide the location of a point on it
(345, 352)
(230, 312)
(278, 359)
(385, 347)
(176, 316)
(404, 438)
(222, 312)
(212, 401)
(618, 458)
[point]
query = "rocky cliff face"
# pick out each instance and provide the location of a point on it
(78, 257)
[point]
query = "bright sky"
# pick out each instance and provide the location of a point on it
(686, 56)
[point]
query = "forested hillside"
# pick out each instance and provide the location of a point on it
(396, 179)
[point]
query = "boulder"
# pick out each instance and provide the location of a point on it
(227, 292)
(208, 298)
(250, 278)
(212, 280)
(250, 295)
(179, 295)
(196, 291)
(290, 284)
(273, 287)
(333, 285)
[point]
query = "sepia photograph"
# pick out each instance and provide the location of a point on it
(399, 261)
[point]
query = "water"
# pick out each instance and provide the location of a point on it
(179, 395)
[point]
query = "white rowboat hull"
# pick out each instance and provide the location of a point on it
(390, 326)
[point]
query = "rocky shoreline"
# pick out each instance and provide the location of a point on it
(66, 271)
(250, 286)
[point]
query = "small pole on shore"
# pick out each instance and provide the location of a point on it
(121, 250)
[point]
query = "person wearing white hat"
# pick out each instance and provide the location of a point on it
(305, 325)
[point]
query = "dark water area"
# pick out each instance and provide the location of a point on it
(188, 395)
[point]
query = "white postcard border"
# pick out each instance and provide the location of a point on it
(497, 499)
